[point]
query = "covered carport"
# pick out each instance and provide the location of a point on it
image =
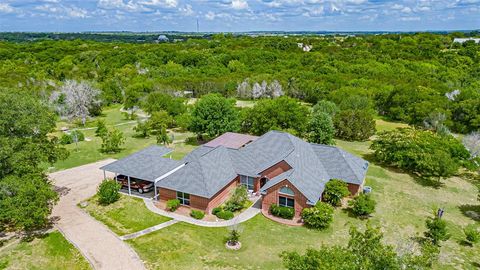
(149, 164)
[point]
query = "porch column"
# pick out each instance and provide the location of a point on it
(155, 189)
(104, 175)
(129, 191)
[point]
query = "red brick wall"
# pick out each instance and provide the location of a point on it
(271, 172)
(354, 189)
(276, 169)
(273, 193)
(202, 203)
(223, 194)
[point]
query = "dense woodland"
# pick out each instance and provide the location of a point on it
(404, 77)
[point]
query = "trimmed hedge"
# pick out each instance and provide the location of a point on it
(216, 210)
(173, 204)
(225, 214)
(196, 214)
(282, 211)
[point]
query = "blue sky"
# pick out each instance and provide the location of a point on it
(238, 15)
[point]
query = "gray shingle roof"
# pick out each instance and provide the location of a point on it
(147, 164)
(209, 169)
(203, 175)
(340, 164)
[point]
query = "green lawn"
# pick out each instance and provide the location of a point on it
(127, 215)
(50, 252)
(403, 205)
(88, 151)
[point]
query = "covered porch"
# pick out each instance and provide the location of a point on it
(139, 172)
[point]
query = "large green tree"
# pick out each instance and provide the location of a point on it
(419, 151)
(354, 125)
(26, 194)
(213, 115)
(283, 113)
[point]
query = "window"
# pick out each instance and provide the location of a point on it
(247, 181)
(184, 198)
(287, 202)
(287, 190)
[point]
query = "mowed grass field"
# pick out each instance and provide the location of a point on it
(127, 215)
(88, 151)
(50, 252)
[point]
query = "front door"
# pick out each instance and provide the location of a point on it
(263, 181)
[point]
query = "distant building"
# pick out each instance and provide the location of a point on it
(463, 40)
(162, 38)
(305, 47)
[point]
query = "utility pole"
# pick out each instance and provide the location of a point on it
(198, 27)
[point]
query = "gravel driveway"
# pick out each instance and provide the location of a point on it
(95, 241)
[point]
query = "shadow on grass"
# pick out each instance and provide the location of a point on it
(471, 211)
(465, 243)
(351, 214)
(428, 181)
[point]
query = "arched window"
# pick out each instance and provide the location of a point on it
(287, 191)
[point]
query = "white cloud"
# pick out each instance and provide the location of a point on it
(186, 10)
(62, 12)
(239, 4)
(6, 8)
(409, 19)
(210, 16)
(160, 3)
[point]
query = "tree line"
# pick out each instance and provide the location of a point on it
(404, 77)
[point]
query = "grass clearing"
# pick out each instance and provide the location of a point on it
(89, 151)
(127, 215)
(402, 207)
(52, 251)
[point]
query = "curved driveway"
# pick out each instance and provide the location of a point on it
(94, 240)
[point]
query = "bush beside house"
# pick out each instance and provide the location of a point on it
(197, 214)
(172, 205)
(335, 191)
(362, 205)
(318, 217)
(282, 211)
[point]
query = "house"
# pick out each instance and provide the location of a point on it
(280, 167)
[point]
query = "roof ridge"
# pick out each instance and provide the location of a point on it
(346, 161)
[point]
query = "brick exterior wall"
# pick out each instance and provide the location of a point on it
(354, 189)
(273, 193)
(271, 172)
(202, 203)
(223, 194)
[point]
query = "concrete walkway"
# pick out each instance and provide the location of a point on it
(100, 246)
(148, 230)
(242, 217)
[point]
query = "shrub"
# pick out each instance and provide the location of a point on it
(363, 205)
(173, 204)
(437, 230)
(233, 237)
(196, 214)
(225, 214)
(472, 235)
(108, 192)
(318, 217)
(335, 191)
(282, 211)
(237, 200)
(66, 139)
(101, 128)
(78, 134)
(216, 210)
(112, 141)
